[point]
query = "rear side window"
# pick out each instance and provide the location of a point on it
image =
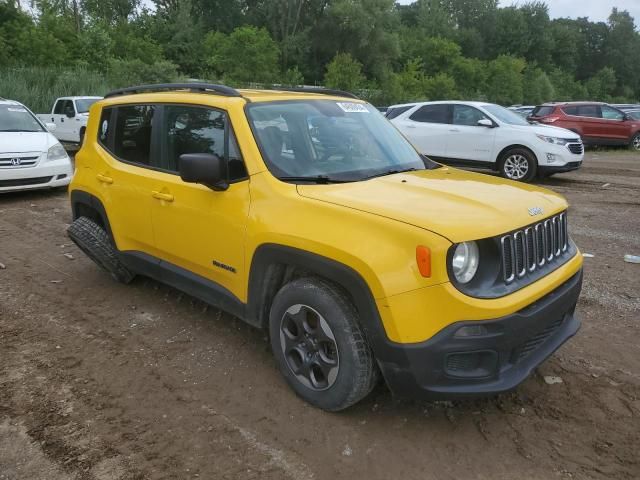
(542, 111)
(589, 111)
(432, 114)
(200, 130)
(397, 111)
(132, 134)
(570, 110)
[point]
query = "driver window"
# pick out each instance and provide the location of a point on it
(611, 113)
(466, 115)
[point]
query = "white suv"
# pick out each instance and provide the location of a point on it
(486, 135)
(30, 157)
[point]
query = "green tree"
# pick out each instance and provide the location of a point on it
(344, 73)
(504, 82)
(248, 54)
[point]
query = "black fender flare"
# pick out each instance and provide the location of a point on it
(81, 200)
(261, 277)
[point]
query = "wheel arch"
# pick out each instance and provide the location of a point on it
(514, 146)
(84, 204)
(275, 265)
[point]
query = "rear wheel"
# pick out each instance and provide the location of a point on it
(319, 346)
(635, 142)
(518, 164)
(82, 132)
(95, 242)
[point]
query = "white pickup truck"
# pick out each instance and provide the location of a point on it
(70, 115)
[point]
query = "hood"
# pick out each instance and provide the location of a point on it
(548, 130)
(23, 142)
(455, 204)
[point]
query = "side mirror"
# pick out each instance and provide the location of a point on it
(70, 113)
(485, 122)
(203, 168)
(50, 126)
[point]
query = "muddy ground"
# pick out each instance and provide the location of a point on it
(105, 381)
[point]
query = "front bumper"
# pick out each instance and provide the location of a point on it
(446, 366)
(52, 174)
(568, 167)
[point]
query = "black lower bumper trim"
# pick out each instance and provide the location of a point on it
(494, 357)
(568, 167)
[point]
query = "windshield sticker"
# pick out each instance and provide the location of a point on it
(352, 107)
(20, 110)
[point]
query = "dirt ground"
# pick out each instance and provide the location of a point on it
(107, 382)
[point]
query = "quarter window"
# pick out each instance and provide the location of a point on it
(432, 114)
(132, 137)
(104, 126)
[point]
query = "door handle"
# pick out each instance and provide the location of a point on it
(104, 179)
(167, 197)
(454, 130)
(411, 126)
(62, 120)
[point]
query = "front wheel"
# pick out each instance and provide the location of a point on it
(635, 142)
(319, 346)
(518, 164)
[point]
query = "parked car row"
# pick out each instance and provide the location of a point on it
(485, 135)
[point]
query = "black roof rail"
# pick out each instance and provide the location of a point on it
(167, 87)
(318, 90)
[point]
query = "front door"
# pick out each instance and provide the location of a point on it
(197, 228)
(466, 140)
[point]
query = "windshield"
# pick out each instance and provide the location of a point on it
(16, 118)
(84, 104)
(505, 115)
(330, 140)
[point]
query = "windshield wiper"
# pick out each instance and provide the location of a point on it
(391, 172)
(320, 179)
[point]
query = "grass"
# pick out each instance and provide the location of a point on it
(38, 87)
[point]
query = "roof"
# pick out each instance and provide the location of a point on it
(78, 97)
(585, 102)
(4, 101)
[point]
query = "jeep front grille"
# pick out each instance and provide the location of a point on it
(527, 250)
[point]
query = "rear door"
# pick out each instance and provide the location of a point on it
(427, 128)
(590, 121)
(466, 140)
(124, 174)
(57, 117)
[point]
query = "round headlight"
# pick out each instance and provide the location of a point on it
(466, 258)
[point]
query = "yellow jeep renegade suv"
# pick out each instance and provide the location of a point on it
(308, 214)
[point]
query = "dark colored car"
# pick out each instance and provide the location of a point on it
(596, 123)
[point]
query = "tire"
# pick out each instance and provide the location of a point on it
(82, 132)
(635, 142)
(95, 242)
(518, 164)
(310, 318)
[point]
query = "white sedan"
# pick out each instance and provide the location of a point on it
(30, 156)
(485, 135)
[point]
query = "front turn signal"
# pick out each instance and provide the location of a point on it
(423, 259)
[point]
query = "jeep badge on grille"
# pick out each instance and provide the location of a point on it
(533, 211)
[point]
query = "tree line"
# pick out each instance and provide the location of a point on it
(430, 49)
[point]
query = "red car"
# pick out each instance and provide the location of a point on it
(596, 123)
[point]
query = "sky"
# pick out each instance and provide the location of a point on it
(596, 10)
